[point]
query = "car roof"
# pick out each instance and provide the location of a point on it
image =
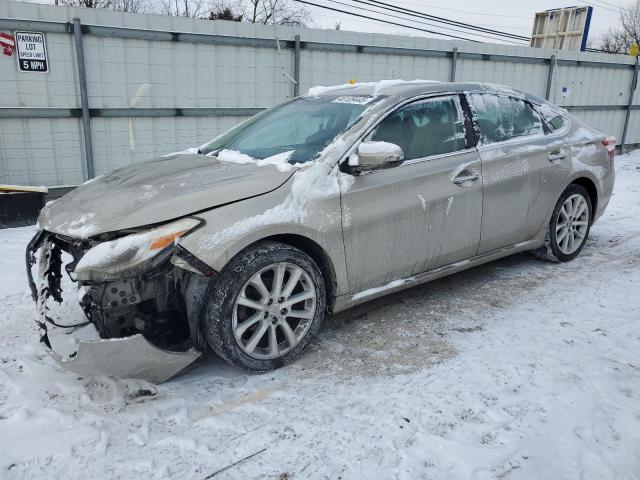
(403, 88)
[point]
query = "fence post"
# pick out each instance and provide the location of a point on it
(296, 67)
(552, 66)
(454, 61)
(627, 115)
(84, 97)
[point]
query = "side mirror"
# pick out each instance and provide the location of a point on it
(374, 154)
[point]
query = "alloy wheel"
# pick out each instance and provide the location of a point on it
(572, 224)
(274, 310)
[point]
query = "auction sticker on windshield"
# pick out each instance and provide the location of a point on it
(358, 100)
(32, 52)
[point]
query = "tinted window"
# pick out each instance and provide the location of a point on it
(552, 116)
(427, 127)
(502, 118)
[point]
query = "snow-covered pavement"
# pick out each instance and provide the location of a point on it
(518, 369)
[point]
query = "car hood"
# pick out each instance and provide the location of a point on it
(156, 191)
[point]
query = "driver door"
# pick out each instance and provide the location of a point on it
(424, 212)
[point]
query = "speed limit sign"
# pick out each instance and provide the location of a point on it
(32, 52)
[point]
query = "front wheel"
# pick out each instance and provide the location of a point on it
(569, 226)
(264, 307)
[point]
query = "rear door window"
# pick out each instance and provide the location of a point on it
(500, 118)
(553, 117)
(424, 128)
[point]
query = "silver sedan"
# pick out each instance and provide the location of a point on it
(244, 245)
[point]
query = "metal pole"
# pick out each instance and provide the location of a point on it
(552, 66)
(296, 66)
(84, 97)
(454, 61)
(627, 115)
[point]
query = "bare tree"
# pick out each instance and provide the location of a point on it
(132, 6)
(87, 3)
(116, 5)
(277, 12)
(619, 39)
(185, 8)
(223, 10)
(614, 41)
(630, 19)
(267, 12)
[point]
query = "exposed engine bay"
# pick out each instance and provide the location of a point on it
(155, 305)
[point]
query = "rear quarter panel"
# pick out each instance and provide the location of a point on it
(591, 160)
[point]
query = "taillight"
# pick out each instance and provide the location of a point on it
(610, 144)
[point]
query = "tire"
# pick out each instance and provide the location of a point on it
(556, 245)
(225, 310)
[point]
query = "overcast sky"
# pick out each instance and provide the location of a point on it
(514, 16)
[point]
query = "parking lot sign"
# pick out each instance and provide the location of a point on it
(32, 52)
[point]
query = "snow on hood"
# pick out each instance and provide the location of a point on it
(157, 191)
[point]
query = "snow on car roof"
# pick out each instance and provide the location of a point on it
(404, 87)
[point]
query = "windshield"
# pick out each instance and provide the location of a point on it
(305, 125)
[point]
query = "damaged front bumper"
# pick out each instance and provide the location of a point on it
(131, 355)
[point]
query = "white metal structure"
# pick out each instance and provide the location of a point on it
(562, 28)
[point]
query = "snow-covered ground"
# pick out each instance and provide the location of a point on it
(519, 369)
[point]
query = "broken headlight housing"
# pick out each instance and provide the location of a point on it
(132, 253)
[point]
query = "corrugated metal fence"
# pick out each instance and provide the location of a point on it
(127, 87)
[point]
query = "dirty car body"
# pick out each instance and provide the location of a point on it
(370, 188)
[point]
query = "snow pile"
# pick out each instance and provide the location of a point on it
(382, 85)
(517, 369)
(280, 161)
(326, 90)
(233, 156)
(379, 86)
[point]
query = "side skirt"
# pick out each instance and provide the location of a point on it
(344, 302)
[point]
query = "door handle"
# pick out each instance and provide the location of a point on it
(465, 177)
(557, 155)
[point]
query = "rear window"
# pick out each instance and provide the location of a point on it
(502, 118)
(553, 117)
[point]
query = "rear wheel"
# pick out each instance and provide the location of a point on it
(265, 306)
(569, 226)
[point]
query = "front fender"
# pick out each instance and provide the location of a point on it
(231, 228)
